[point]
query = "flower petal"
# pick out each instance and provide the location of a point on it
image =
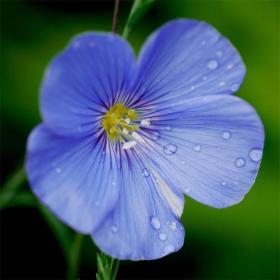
(186, 58)
(77, 180)
(211, 147)
(144, 224)
(85, 80)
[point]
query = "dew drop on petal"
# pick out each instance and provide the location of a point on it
(219, 53)
(234, 87)
(92, 44)
(162, 236)
(173, 226)
(155, 222)
(226, 134)
(221, 83)
(197, 147)
(168, 128)
(76, 45)
(183, 162)
(255, 154)
(223, 183)
(168, 249)
(212, 64)
(155, 136)
(230, 66)
(204, 78)
(114, 228)
(170, 149)
(58, 170)
(145, 172)
(240, 162)
(186, 190)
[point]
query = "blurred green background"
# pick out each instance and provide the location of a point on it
(241, 242)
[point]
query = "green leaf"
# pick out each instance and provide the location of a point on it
(139, 8)
(10, 188)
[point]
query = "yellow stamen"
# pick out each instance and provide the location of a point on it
(117, 120)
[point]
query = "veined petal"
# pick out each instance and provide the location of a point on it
(83, 81)
(144, 224)
(183, 59)
(209, 147)
(77, 180)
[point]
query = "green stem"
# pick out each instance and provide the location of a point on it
(10, 188)
(61, 232)
(107, 267)
(21, 199)
(74, 257)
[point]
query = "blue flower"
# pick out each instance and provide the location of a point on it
(123, 140)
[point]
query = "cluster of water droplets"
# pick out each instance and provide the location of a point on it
(214, 64)
(255, 154)
(156, 225)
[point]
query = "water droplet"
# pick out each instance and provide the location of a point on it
(58, 170)
(197, 147)
(92, 44)
(168, 128)
(170, 149)
(145, 172)
(230, 66)
(212, 64)
(156, 135)
(155, 222)
(234, 87)
(226, 135)
(183, 162)
(223, 183)
(219, 53)
(168, 249)
(240, 162)
(114, 228)
(192, 87)
(173, 226)
(76, 45)
(222, 83)
(186, 190)
(255, 154)
(162, 236)
(204, 78)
